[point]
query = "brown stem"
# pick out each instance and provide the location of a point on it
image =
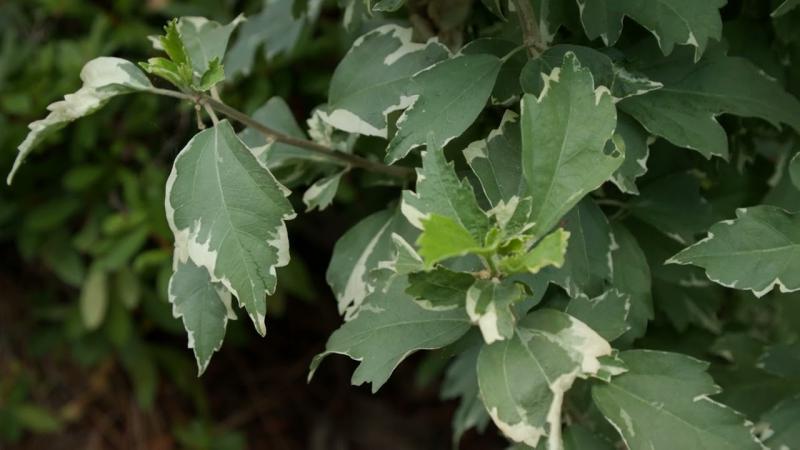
(530, 27)
(345, 159)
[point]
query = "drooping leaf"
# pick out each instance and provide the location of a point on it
(358, 252)
(619, 81)
(496, 161)
(203, 306)
(320, 194)
(587, 262)
(564, 133)
(103, 78)
(372, 80)
(672, 22)
(523, 380)
(443, 100)
(757, 251)
(227, 212)
(441, 192)
(632, 277)
(684, 111)
(389, 327)
(489, 305)
(662, 402)
(607, 314)
(274, 29)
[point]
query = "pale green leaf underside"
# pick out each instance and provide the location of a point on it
(274, 28)
(389, 327)
(672, 22)
(443, 100)
(757, 251)
(564, 133)
(372, 80)
(662, 403)
(103, 78)
(203, 306)
(205, 40)
(227, 212)
(523, 380)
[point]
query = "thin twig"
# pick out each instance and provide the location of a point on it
(530, 27)
(212, 114)
(345, 159)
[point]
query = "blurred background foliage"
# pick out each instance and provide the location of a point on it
(90, 356)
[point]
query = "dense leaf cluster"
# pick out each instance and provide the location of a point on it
(581, 191)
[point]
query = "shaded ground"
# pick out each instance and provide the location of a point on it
(257, 388)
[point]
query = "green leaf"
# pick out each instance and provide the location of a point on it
(523, 380)
(36, 419)
(674, 205)
(756, 251)
(632, 277)
(443, 100)
(205, 42)
(684, 111)
(103, 78)
(782, 360)
(496, 161)
(785, 7)
(215, 74)
(94, 298)
(442, 238)
(276, 115)
(549, 251)
(358, 252)
(780, 424)
(320, 194)
(794, 170)
(441, 192)
(489, 305)
(506, 88)
(637, 149)
(619, 81)
(564, 133)
(406, 260)
(606, 314)
(372, 79)
(203, 306)
(275, 30)
(389, 327)
(440, 289)
(227, 213)
(461, 381)
(682, 22)
(587, 262)
(662, 401)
